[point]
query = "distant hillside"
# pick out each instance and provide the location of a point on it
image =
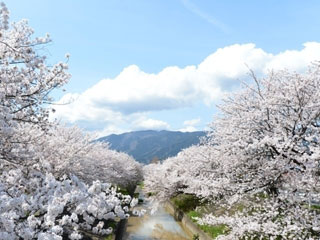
(146, 145)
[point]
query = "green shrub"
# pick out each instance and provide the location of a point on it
(195, 237)
(186, 202)
(124, 191)
(315, 207)
(136, 195)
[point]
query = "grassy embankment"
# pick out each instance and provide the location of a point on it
(193, 207)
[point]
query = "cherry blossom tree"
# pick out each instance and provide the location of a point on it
(26, 82)
(88, 159)
(41, 196)
(262, 152)
(268, 137)
(184, 173)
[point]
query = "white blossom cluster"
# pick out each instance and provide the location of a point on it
(264, 142)
(51, 177)
(38, 206)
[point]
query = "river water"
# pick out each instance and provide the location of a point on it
(158, 226)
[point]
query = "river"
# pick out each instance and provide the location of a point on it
(158, 226)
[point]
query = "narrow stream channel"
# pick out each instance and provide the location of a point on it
(158, 226)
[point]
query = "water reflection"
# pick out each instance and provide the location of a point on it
(159, 226)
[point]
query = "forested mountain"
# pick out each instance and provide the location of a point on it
(147, 145)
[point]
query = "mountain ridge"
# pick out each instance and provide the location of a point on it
(146, 145)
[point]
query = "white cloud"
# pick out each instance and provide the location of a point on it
(110, 129)
(294, 59)
(192, 122)
(134, 93)
(152, 124)
(188, 129)
(81, 107)
(190, 125)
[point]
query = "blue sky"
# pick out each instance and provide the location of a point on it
(165, 64)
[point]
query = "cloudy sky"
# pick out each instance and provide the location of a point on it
(165, 64)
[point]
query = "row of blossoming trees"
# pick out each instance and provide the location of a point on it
(263, 154)
(52, 178)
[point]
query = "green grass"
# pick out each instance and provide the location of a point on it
(188, 203)
(315, 207)
(214, 231)
(109, 237)
(192, 214)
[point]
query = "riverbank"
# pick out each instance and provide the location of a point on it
(188, 225)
